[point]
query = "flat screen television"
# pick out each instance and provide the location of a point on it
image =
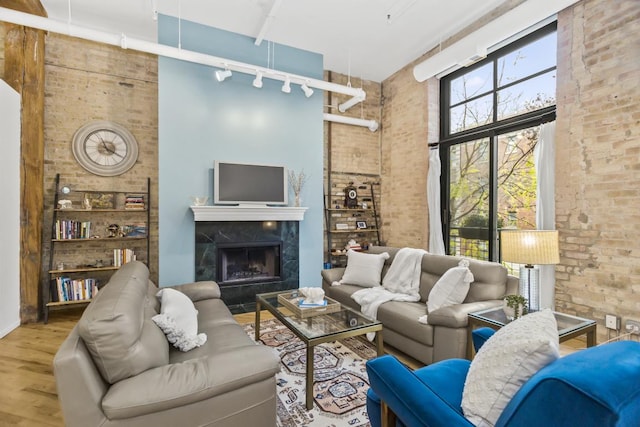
(240, 184)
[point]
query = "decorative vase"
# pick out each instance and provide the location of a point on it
(297, 200)
(510, 312)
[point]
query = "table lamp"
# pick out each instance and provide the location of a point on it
(530, 247)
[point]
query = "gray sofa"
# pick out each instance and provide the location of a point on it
(445, 335)
(116, 367)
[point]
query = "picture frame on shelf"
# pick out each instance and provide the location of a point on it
(361, 225)
(100, 200)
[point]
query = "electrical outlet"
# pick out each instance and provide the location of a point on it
(633, 326)
(611, 321)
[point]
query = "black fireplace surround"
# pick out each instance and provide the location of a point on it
(246, 258)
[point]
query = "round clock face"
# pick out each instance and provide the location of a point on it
(352, 194)
(105, 148)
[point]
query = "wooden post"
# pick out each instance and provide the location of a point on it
(24, 72)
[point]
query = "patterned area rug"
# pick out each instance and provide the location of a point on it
(340, 379)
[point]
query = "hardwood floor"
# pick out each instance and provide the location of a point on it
(27, 387)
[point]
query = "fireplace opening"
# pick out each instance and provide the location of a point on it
(249, 262)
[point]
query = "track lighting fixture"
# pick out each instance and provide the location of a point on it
(307, 90)
(257, 82)
(286, 86)
(221, 75)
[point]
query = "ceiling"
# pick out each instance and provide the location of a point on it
(368, 39)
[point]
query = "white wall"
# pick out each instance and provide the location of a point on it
(10, 212)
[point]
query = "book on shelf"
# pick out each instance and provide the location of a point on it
(123, 256)
(135, 230)
(134, 202)
(68, 229)
(64, 289)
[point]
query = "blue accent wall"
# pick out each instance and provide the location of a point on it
(202, 120)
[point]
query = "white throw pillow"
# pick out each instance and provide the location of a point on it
(178, 319)
(505, 362)
(363, 269)
(452, 287)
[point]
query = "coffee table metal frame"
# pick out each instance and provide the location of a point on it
(304, 329)
(568, 326)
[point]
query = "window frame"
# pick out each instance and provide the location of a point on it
(490, 131)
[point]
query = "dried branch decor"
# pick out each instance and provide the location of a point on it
(297, 181)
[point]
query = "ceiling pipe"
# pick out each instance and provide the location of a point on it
(121, 40)
(350, 103)
(371, 124)
(472, 47)
(267, 22)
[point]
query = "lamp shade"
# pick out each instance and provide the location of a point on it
(536, 247)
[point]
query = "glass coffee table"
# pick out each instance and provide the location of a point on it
(568, 326)
(316, 325)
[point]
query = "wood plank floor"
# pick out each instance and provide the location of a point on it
(27, 387)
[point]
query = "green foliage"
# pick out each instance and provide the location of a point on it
(515, 302)
(475, 220)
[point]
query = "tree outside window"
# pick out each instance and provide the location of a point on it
(491, 123)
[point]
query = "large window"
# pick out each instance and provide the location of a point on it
(491, 116)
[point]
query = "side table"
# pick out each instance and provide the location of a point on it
(568, 326)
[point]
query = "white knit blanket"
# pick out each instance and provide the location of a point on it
(401, 283)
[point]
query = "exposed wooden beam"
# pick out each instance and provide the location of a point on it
(33, 7)
(24, 72)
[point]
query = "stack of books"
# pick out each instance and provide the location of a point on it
(67, 289)
(67, 229)
(123, 256)
(134, 202)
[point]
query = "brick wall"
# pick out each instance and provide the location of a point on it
(88, 81)
(406, 124)
(598, 144)
(352, 155)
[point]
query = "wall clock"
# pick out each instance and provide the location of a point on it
(350, 197)
(105, 148)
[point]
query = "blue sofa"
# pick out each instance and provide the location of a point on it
(596, 387)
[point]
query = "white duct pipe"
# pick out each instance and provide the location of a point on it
(464, 50)
(267, 22)
(371, 124)
(121, 40)
(350, 103)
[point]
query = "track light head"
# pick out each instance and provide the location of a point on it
(286, 86)
(307, 90)
(257, 82)
(221, 75)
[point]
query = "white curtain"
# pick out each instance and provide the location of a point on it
(436, 242)
(545, 162)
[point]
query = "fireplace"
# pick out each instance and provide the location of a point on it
(246, 258)
(248, 262)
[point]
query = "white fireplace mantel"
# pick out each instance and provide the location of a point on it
(248, 213)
